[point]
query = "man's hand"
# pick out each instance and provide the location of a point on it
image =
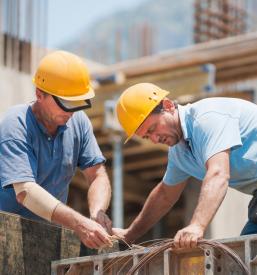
(102, 218)
(188, 236)
(213, 191)
(121, 234)
(92, 234)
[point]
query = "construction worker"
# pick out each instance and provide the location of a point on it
(41, 145)
(213, 140)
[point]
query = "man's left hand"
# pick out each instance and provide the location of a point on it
(102, 218)
(188, 236)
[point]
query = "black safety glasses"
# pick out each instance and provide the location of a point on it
(72, 106)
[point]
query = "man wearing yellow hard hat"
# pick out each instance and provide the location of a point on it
(213, 140)
(42, 144)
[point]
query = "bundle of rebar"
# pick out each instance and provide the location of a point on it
(159, 246)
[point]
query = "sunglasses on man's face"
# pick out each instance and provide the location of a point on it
(72, 106)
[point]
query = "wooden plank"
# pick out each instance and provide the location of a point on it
(148, 163)
(208, 52)
(231, 63)
(153, 174)
(186, 80)
(136, 150)
(243, 72)
(28, 247)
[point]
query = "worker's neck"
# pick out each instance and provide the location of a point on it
(42, 117)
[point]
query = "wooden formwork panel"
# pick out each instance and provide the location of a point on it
(28, 247)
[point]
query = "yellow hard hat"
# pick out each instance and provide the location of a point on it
(64, 75)
(136, 103)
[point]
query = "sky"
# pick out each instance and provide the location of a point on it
(66, 18)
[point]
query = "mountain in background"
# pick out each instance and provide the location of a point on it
(153, 26)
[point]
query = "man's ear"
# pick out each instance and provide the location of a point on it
(39, 94)
(168, 105)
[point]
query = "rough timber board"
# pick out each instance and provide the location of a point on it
(28, 247)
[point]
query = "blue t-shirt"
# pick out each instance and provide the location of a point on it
(211, 126)
(28, 153)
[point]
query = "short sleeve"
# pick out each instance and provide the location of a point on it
(214, 133)
(173, 174)
(90, 153)
(18, 163)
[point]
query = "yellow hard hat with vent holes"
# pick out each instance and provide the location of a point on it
(136, 103)
(64, 75)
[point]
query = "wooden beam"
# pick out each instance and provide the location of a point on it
(97, 123)
(28, 247)
(237, 73)
(208, 52)
(148, 163)
(103, 139)
(238, 62)
(150, 175)
(133, 197)
(136, 150)
(185, 80)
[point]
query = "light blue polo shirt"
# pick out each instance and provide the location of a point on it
(211, 126)
(28, 153)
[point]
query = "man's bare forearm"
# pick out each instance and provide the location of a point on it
(156, 206)
(66, 216)
(99, 195)
(212, 193)
(91, 233)
(99, 192)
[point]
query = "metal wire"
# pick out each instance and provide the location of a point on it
(203, 244)
(157, 247)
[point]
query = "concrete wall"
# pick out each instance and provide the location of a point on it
(15, 88)
(231, 216)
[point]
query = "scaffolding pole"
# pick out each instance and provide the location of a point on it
(117, 202)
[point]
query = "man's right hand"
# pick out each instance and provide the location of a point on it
(92, 234)
(121, 234)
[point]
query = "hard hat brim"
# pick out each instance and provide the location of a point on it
(88, 95)
(128, 138)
